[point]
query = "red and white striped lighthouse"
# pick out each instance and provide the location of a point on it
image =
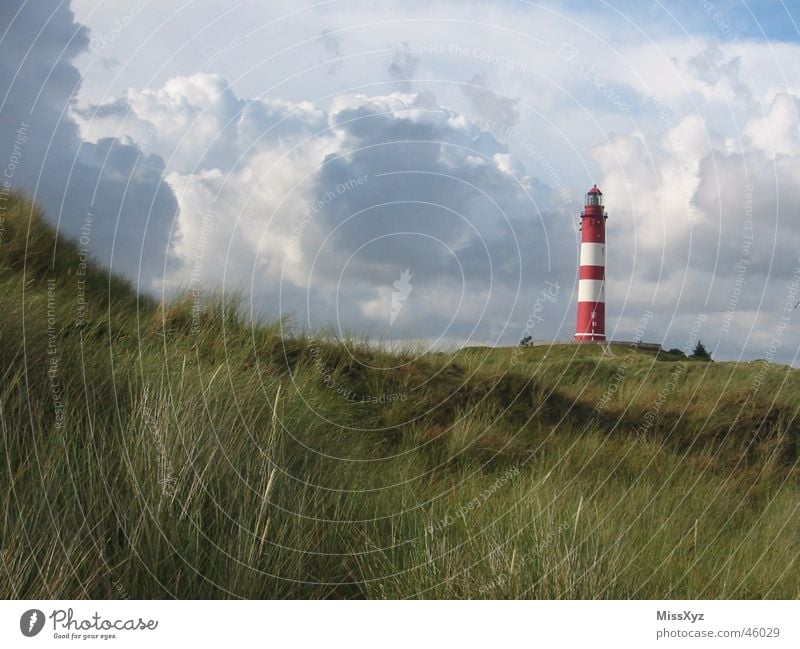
(591, 322)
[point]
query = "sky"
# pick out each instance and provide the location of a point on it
(415, 171)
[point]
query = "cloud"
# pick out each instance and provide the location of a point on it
(777, 132)
(403, 65)
(108, 184)
(490, 104)
(713, 68)
(196, 123)
(332, 46)
(329, 207)
(699, 229)
(441, 198)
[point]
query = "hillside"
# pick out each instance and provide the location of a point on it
(180, 450)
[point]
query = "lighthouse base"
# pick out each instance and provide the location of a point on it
(589, 338)
(591, 321)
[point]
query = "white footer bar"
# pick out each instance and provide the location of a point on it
(233, 624)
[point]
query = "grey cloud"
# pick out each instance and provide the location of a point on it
(711, 67)
(116, 108)
(403, 66)
(436, 201)
(490, 104)
(332, 46)
(132, 208)
(270, 121)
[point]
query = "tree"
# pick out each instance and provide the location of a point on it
(527, 339)
(700, 352)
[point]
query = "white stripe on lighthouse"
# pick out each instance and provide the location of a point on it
(591, 290)
(593, 254)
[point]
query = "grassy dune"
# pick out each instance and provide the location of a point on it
(177, 450)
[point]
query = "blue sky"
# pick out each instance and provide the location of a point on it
(773, 20)
(476, 127)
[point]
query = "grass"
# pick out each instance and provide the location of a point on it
(181, 450)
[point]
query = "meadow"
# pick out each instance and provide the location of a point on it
(185, 449)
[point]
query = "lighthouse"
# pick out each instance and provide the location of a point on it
(591, 321)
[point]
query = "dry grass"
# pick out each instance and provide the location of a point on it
(179, 450)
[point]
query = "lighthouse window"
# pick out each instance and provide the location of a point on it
(594, 199)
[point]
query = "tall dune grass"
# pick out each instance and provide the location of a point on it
(181, 450)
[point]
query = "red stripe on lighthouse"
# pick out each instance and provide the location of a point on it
(592, 272)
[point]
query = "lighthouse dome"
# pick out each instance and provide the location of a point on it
(594, 196)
